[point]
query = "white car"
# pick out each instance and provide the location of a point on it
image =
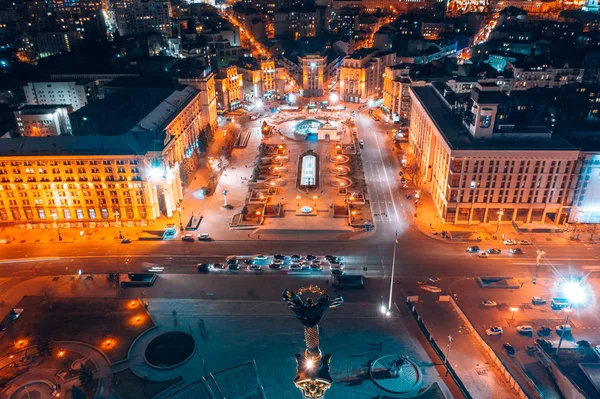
(509, 242)
(525, 329)
(260, 258)
(204, 237)
(494, 331)
(525, 242)
(483, 255)
(278, 262)
(563, 328)
(488, 303)
(434, 279)
(295, 267)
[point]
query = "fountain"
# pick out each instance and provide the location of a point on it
(308, 171)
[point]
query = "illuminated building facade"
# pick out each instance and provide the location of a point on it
(85, 180)
(74, 93)
(544, 75)
(262, 79)
(134, 17)
(43, 120)
(396, 96)
(480, 170)
(361, 74)
(313, 75)
(229, 84)
(205, 84)
(52, 43)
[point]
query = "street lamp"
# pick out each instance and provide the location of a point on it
(575, 292)
(315, 198)
(117, 214)
(297, 200)
(180, 224)
(448, 355)
(500, 213)
(513, 310)
(537, 265)
(55, 217)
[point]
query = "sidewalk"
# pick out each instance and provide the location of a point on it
(472, 366)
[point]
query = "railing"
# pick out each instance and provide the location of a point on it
(461, 386)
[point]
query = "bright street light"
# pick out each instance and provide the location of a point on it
(259, 103)
(574, 291)
(333, 97)
(292, 98)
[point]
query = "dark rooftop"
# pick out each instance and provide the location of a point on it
(458, 138)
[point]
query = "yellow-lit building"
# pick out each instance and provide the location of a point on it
(205, 84)
(396, 97)
(130, 177)
(262, 79)
(229, 83)
(361, 74)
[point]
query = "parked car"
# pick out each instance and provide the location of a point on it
(275, 266)
(525, 242)
(233, 267)
(538, 300)
(310, 257)
(316, 267)
(544, 331)
(295, 257)
(204, 267)
(526, 329)
(248, 261)
(232, 261)
(278, 256)
(544, 343)
(219, 266)
(330, 257)
(488, 303)
(516, 251)
(584, 344)
(494, 331)
(125, 241)
(295, 267)
(509, 348)
(260, 258)
(204, 237)
(255, 268)
(187, 237)
(509, 242)
(483, 255)
(494, 251)
(566, 328)
(431, 288)
(473, 248)
(337, 261)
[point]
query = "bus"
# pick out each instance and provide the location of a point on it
(559, 303)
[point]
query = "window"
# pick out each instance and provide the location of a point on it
(79, 213)
(92, 213)
(104, 213)
(67, 213)
(41, 214)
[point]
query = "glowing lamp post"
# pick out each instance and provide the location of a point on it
(537, 265)
(513, 310)
(117, 215)
(297, 200)
(500, 213)
(575, 292)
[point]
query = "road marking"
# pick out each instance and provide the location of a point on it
(27, 260)
(386, 176)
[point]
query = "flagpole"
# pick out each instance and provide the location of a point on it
(392, 275)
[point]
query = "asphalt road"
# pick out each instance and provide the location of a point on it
(417, 254)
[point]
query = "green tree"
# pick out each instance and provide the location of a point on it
(46, 346)
(86, 376)
(77, 393)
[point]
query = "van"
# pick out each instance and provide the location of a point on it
(559, 303)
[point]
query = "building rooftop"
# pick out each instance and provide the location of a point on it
(40, 109)
(458, 138)
(65, 145)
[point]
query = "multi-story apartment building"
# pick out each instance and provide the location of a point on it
(134, 17)
(86, 17)
(361, 74)
(479, 170)
(528, 76)
(312, 72)
(396, 97)
(305, 21)
(229, 84)
(43, 120)
(74, 93)
(48, 43)
(261, 79)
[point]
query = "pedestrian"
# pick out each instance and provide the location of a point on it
(259, 236)
(430, 226)
(248, 235)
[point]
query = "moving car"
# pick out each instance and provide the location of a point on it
(187, 237)
(275, 266)
(583, 344)
(494, 251)
(494, 331)
(330, 257)
(260, 258)
(509, 242)
(232, 261)
(295, 267)
(337, 261)
(295, 257)
(566, 328)
(488, 303)
(483, 255)
(219, 266)
(516, 251)
(204, 267)
(316, 267)
(434, 279)
(277, 262)
(233, 267)
(125, 241)
(473, 248)
(255, 268)
(538, 300)
(509, 348)
(279, 256)
(248, 262)
(526, 329)
(361, 143)
(311, 257)
(525, 242)
(431, 288)
(203, 237)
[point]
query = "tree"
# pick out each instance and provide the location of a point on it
(86, 376)
(46, 346)
(77, 393)
(413, 170)
(592, 229)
